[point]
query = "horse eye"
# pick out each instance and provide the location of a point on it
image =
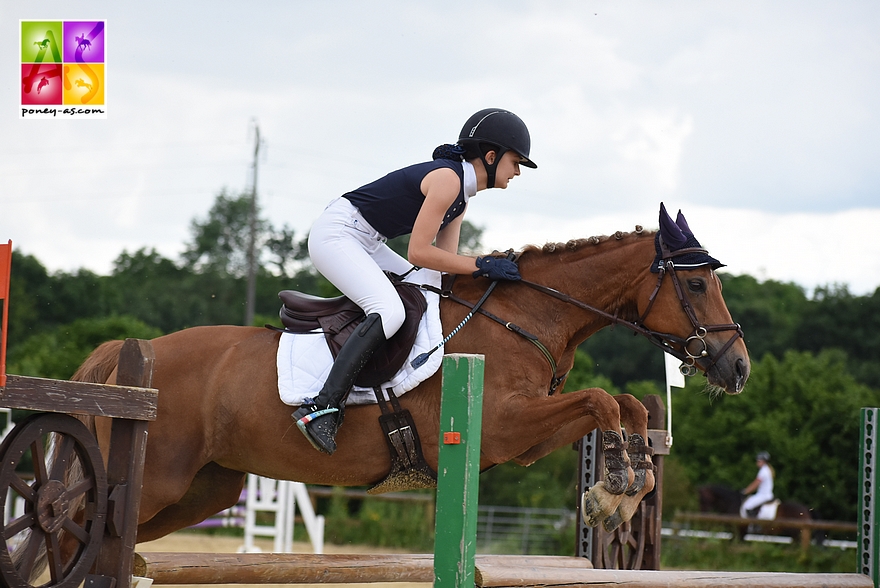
(696, 286)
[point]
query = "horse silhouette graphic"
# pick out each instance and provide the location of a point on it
(44, 44)
(82, 42)
(80, 83)
(43, 83)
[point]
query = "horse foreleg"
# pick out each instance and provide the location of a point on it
(567, 418)
(634, 417)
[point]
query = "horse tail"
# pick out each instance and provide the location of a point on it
(97, 369)
(100, 364)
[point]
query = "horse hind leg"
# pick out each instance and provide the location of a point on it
(213, 489)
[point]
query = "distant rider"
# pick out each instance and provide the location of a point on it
(762, 486)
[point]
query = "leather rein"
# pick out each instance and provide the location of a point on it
(689, 350)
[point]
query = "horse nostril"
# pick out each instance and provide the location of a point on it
(742, 373)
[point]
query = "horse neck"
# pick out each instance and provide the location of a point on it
(608, 274)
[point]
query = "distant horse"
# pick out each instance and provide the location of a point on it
(722, 499)
(220, 416)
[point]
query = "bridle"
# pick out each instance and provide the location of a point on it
(688, 356)
(689, 350)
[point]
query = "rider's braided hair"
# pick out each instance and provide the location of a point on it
(450, 152)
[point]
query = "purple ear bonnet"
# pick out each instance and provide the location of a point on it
(678, 235)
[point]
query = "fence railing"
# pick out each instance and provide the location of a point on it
(522, 530)
(805, 529)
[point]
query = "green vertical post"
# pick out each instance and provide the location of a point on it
(458, 470)
(869, 489)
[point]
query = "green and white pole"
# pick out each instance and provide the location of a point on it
(869, 488)
(458, 470)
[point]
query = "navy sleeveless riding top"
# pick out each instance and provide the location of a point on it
(392, 203)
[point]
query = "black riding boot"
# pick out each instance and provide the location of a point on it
(319, 418)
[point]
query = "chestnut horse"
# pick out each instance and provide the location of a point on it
(220, 416)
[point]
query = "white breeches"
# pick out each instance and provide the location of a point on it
(352, 255)
(754, 501)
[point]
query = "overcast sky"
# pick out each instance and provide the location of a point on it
(758, 119)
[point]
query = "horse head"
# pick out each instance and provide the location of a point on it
(674, 301)
(685, 311)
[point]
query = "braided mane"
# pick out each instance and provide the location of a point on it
(577, 244)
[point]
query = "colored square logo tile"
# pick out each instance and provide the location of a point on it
(41, 83)
(41, 41)
(84, 41)
(84, 83)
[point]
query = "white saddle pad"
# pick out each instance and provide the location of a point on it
(304, 360)
(768, 510)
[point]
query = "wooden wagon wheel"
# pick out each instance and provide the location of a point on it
(624, 549)
(71, 544)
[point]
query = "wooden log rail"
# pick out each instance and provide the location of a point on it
(496, 571)
(806, 527)
(82, 398)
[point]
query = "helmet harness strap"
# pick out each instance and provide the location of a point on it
(491, 167)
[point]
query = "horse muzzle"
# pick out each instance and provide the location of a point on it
(729, 371)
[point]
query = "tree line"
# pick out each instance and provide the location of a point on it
(813, 358)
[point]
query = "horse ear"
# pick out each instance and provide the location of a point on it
(671, 232)
(683, 225)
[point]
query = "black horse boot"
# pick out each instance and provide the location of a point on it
(319, 418)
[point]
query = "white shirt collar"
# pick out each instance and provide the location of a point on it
(470, 180)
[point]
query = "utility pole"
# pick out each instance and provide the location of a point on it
(250, 305)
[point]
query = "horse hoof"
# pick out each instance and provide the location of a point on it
(598, 503)
(591, 510)
(612, 522)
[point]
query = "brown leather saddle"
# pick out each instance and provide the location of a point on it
(338, 317)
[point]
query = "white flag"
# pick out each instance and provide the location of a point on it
(674, 377)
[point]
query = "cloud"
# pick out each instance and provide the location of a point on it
(765, 115)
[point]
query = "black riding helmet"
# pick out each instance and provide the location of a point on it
(495, 129)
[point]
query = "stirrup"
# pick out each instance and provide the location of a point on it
(319, 426)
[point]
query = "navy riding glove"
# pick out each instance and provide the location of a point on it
(497, 268)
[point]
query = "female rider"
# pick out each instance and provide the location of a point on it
(427, 201)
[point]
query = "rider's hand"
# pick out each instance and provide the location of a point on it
(497, 268)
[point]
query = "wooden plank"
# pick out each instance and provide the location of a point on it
(515, 570)
(44, 395)
(125, 469)
(576, 577)
(282, 568)
(491, 571)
